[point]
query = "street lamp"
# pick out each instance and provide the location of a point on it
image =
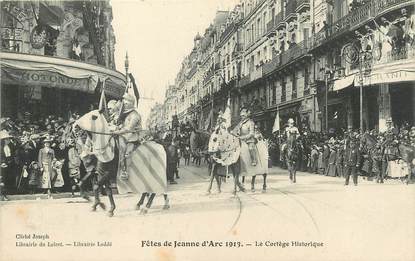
(126, 65)
(327, 73)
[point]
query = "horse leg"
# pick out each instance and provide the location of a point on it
(264, 186)
(97, 202)
(293, 171)
(141, 201)
(111, 199)
(236, 173)
(212, 176)
(253, 183)
(149, 203)
(166, 202)
(243, 179)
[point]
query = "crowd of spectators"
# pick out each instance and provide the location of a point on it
(39, 155)
(381, 155)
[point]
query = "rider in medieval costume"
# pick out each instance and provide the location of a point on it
(129, 127)
(291, 130)
(246, 132)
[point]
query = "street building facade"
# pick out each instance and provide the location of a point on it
(329, 65)
(54, 54)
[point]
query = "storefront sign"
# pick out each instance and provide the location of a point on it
(389, 77)
(43, 78)
(9, 33)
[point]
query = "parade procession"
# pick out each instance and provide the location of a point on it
(277, 110)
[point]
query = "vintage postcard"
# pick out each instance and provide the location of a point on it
(200, 130)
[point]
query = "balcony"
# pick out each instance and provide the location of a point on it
(383, 6)
(358, 17)
(244, 80)
(294, 52)
(272, 66)
(291, 8)
(301, 4)
(270, 26)
(279, 20)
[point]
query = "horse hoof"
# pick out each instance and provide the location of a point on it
(264, 190)
(219, 191)
(137, 207)
(166, 207)
(252, 190)
(86, 197)
(102, 205)
(207, 193)
(143, 211)
(94, 208)
(110, 213)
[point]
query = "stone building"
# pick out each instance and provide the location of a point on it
(54, 54)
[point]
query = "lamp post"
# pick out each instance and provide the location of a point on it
(126, 65)
(327, 74)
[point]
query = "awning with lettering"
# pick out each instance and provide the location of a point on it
(343, 83)
(400, 72)
(59, 73)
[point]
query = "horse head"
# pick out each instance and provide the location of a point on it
(95, 124)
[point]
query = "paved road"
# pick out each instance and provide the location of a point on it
(366, 222)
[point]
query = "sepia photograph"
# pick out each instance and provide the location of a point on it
(200, 130)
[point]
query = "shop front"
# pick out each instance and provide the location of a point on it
(49, 85)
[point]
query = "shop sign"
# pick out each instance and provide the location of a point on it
(8, 33)
(43, 78)
(389, 77)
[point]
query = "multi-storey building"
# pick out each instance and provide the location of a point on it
(366, 53)
(305, 60)
(54, 54)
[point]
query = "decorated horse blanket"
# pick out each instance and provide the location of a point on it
(262, 157)
(146, 170)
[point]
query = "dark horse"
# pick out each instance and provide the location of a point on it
(291, 157)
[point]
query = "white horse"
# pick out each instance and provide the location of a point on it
(146, 165)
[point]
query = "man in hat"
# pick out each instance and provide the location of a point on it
(351, 161)
(129, 127)
(246, 132)
(7, 164)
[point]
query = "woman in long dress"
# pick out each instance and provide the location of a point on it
(45, 159)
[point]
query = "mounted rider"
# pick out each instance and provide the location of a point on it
(246, 132)
(291, 130)
(128, 126)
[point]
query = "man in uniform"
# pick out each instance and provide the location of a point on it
(351, 161)
(246, 132)
(129, 127)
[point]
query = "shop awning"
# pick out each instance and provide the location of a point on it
(389, 76)
(398, 71)
(343, 83)
(53, 72)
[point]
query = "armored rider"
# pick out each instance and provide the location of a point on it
(291, 130)
(246, 132)
(129, 125)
